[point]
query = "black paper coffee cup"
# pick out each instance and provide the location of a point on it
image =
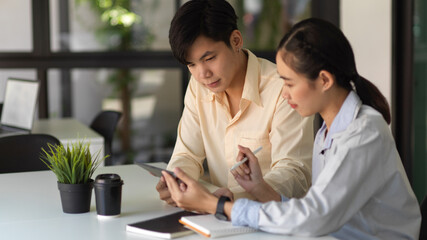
(108, 194)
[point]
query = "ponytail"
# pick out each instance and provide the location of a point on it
(370, 95)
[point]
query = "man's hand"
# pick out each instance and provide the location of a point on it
(164, 193)
(224, 192)
(189, 194)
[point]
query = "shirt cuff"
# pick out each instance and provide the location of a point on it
(283, 198)
(245, 212)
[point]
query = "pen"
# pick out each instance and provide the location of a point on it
(244, 159)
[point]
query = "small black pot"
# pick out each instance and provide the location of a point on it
(75, 198)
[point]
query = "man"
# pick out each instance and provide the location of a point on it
(233, 98)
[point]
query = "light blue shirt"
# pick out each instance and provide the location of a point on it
(247, 211)
(323, 142)
(359, 191)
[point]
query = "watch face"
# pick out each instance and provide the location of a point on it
(221, 216)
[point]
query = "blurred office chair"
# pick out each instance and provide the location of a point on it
(21, 153)
(105, 124)
(423, 230)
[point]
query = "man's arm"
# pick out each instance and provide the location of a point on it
(291, 140)
(189, 151)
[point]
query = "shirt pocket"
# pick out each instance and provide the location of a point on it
(253, 140)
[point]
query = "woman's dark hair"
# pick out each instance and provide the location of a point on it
(313, 45)
(214, 19)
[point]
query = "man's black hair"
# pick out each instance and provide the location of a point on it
(214, 19)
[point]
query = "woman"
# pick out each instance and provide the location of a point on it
(359, 187)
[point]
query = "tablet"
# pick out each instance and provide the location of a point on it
(156, 171)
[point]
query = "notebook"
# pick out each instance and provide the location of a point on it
(19, 106)
(162, 227)
(209, 226)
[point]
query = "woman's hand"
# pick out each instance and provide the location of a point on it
(249, 176)
(190, 195)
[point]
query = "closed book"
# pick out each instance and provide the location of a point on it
(209, 226)
(162, 227)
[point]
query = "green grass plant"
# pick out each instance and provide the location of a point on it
(73, 164)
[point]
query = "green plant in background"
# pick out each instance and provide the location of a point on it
(266, 29)
(263, 30)
(71, 165)
(122, 30)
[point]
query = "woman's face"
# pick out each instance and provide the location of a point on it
(302, 94)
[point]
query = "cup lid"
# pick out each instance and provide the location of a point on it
(108, 178)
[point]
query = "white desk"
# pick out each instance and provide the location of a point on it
(30, 208)
(69, 130)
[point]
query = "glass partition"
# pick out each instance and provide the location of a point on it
(16, 27)
(153, 102)
(88, 26)
(264, 22)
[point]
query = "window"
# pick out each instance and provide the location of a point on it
(264, 22)
(76, 51)
(155, 107)
(15, 17)
(86, 25)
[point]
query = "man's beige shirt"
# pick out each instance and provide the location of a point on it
(207, 131)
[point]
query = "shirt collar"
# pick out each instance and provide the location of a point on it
(251, 85)
(345, 116)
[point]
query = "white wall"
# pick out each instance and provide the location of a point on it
(368, 26)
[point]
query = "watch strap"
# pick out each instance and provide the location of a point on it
(220, 208)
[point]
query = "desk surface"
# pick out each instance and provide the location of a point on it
(30, 208)
(69, 130)
(66, 129)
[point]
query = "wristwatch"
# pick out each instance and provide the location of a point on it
(219, 214)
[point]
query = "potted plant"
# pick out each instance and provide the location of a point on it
(73, 166)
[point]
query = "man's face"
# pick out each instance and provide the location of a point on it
(213, 64)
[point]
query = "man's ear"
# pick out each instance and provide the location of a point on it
(236, 40)
(327, 80)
